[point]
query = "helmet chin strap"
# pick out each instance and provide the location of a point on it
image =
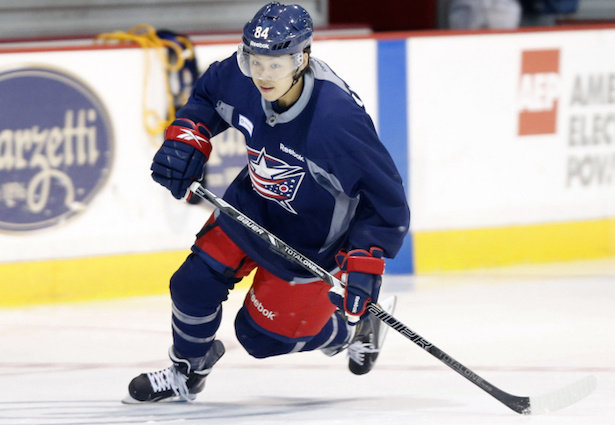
(296, 78)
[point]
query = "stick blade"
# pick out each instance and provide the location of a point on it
(563, 397)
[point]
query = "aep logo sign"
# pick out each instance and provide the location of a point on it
(539, 91)
(56, 147)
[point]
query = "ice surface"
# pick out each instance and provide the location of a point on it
(529, 330)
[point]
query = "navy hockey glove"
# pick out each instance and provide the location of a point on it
(181, 158)
(362, 274)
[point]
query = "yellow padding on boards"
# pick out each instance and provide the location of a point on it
(93, 278)
(494, 247)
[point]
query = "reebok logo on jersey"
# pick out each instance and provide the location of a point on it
(274, 179)
(259, 306)
(292, 152)
(539, 90)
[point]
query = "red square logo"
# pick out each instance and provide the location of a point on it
(539, 92)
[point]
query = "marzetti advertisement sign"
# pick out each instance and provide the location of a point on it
(56, 147)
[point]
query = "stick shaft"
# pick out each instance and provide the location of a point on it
(516, 403)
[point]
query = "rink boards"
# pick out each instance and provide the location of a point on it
(506, 142)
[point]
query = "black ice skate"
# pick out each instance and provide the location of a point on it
(365, 346)
(176, 383)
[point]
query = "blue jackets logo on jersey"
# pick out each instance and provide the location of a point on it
(274, 179)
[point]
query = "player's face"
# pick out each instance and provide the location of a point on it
(273, 76)
(273, 90)
(272, 68)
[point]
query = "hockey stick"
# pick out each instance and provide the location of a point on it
(524, 405)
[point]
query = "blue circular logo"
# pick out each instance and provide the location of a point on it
(56, 147)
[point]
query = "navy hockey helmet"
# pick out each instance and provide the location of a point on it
(276, 30)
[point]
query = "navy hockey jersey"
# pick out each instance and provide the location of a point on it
(317, 176)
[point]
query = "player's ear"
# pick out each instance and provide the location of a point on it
(306, 60)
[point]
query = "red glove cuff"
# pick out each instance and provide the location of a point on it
(190, 133)
(359, 260)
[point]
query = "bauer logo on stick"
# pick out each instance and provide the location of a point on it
(56, 148)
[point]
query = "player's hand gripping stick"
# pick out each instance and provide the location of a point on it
(181, 159)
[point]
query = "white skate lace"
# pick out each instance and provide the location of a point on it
(170, 379)
(357, 351)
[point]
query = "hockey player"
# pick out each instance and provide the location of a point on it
(317, 176)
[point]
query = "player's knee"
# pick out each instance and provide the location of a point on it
(196, 284)
(256, 343)
(251, 340)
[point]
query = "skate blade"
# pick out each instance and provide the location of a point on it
(129, 400)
